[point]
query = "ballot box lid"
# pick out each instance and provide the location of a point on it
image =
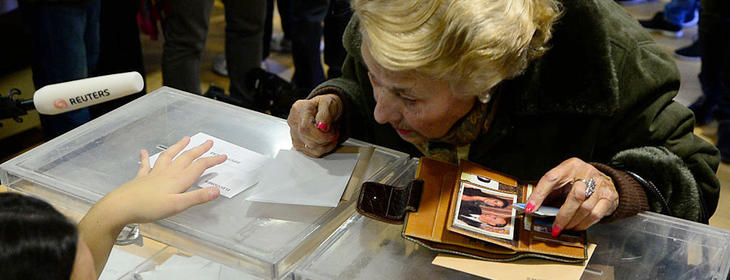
(75, 170)
(646, 246)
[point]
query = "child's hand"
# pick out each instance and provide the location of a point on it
(159, 192)
(154, 194)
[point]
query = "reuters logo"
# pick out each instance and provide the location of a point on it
(60, 104)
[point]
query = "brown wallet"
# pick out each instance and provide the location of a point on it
(467, 210)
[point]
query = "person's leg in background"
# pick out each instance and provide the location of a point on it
(285, 18)
(714, 31)
(92, 37)
(187, 29)
(307, 17)
(681, 12)
(244, 44)
(120, 49)
(334, 26)
(65, 47)
(677, 14)
(285, 15)
(268, 29)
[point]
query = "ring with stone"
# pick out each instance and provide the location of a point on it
(590, 186)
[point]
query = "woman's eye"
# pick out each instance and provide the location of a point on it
(407, 100)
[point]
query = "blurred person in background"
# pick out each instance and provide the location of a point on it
(307, 30)
(185, 36)
(714, 44)
(65, 37)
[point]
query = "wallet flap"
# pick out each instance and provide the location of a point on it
(389, 203)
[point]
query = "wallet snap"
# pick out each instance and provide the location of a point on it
(389, 203)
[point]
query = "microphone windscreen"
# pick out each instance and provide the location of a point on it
(59, 98)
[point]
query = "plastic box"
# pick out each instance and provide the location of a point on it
(126, 258)
(158, 267)
(265, 240)
(647, 246)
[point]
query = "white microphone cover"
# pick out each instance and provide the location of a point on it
(59, 98)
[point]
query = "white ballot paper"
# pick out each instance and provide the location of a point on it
(294, 178)
(239, 172)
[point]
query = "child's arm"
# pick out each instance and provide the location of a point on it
(154, 194)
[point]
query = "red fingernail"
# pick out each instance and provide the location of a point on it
(556, 231)
(529, 208)
(334, 138)
(322, 126)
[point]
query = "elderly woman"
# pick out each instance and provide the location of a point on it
(573, 94)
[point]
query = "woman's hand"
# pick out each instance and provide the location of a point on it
(312, 124)
(579, 211)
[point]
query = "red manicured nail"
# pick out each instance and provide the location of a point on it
(529, 208)
(556, 231)
(334, 138)
(322, 126)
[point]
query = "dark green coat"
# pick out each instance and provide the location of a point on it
(602, 93)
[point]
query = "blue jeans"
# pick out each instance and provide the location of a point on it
(680, 11)
(65, 47)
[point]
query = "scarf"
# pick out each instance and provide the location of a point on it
(455, 144)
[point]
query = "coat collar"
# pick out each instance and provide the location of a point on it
(576, 75)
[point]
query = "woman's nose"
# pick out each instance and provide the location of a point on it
(387, 110)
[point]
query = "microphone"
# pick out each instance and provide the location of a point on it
(59, 98)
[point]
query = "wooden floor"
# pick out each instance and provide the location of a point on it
(282, 65)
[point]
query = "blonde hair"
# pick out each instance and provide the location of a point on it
(473, 44)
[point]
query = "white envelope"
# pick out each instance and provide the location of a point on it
(294, 178)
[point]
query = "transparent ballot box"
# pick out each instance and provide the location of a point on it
(364, 248)
(173, 263)
(654, 246)
(123, 259)
(647, 246)
(263, 239)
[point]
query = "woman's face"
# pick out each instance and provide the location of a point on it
(492, 220)
(493, 202)
(416, 107)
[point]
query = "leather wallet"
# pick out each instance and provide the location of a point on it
(467, 210)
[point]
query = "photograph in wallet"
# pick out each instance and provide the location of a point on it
(484, 212)
(467, 210)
